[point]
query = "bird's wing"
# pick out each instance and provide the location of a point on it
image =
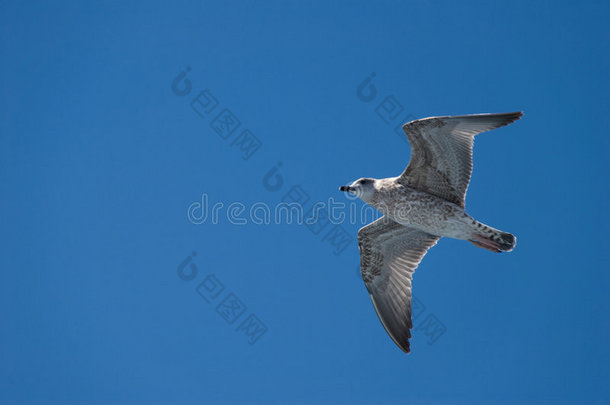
(389, 254)
(441, 152)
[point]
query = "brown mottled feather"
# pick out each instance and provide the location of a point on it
(441, 152)
(389, 254)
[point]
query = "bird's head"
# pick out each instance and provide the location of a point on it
(362, 188)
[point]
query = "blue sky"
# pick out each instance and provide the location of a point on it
(100, 158)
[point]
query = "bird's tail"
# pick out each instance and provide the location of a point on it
(492, 239)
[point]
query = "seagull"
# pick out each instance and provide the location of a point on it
(423, 204)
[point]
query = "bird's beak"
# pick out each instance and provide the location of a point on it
(345, 188)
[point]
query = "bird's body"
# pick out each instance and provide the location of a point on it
(420, 210)
(423, 204)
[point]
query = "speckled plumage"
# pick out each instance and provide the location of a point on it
(423, 204)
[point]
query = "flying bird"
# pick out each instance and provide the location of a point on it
(423, 204)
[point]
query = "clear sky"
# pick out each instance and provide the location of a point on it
(103, 149)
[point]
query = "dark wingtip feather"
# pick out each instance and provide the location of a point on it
(517, 114)
(511, 117)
